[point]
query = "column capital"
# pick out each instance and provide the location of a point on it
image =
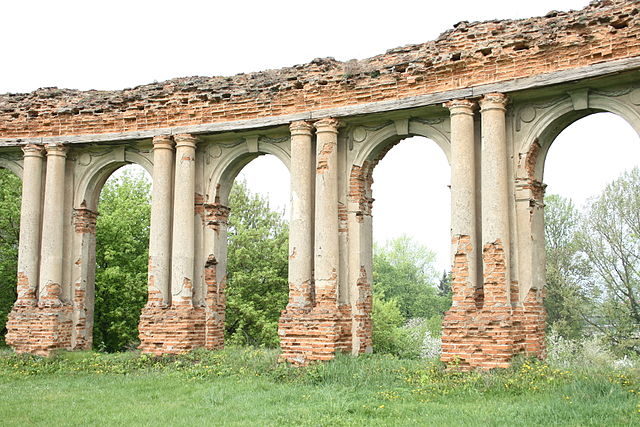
(301, 128)
(33, 150)
(461, 106)
(493, 101)
(185, 140)
(163, 142)
(56, 149)
(327, 125)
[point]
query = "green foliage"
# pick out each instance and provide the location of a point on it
(257, 288)
(403, 270)
(388, 335)
(409, 299)
(610, 239)
(10, 197)
(568, 272)
(122, 236)
(593, 265)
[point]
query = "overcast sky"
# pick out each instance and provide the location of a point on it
(118, 44)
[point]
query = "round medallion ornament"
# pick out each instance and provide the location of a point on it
(527, 114)
(359, 134)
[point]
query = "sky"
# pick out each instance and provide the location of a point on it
(119, 44)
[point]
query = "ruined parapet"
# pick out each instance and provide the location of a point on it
(470, 54)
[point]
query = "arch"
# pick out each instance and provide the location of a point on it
(12, 166)
(380, 139)
(374, 145)
(92, 179)
(546, 124)
(540, 137)
(229, 165)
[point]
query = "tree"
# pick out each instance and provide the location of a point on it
(388, 334)
(10, 197)
(610, 238)
(403, 271)
(257, 268)
(122, 236)
(568, 272)
(444, 286)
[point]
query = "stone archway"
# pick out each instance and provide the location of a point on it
(371, 143)
(536, 127)
(214, 211)
(10, 204)
(525, 92)
(93, 171)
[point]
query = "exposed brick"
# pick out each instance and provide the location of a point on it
(470, 54)
(39, 330)
(314, 334)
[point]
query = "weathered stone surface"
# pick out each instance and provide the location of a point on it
(496, 155)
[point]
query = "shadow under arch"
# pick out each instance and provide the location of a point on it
(229, 165)
(539, 139)
(376, 145)
(212, 248)
(11, 166)
(90, 183)
(93, 178)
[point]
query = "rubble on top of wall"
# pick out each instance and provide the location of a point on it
(497, 48)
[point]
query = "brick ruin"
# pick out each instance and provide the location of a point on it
(493, 95)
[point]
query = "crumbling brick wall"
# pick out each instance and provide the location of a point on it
(487, 326)
(472, 53)
(181, 326)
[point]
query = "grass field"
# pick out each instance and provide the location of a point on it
(241, 386)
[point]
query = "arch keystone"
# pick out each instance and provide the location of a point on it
(580, 99)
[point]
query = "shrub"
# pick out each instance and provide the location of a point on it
(388, 334)
(588, 352)
(426, 335)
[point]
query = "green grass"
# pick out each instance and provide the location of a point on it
(248, 387)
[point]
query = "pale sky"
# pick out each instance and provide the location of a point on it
(119, 44)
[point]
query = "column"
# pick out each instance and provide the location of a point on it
(30, 215)
(53, 225)
(301, 226)
(463, 207)
(326, 214)
(183, 221)
(495, 201)
(160, 231)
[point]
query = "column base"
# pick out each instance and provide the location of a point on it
(314, 335)
(490, 337)
(39, 330)
(176, 330)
